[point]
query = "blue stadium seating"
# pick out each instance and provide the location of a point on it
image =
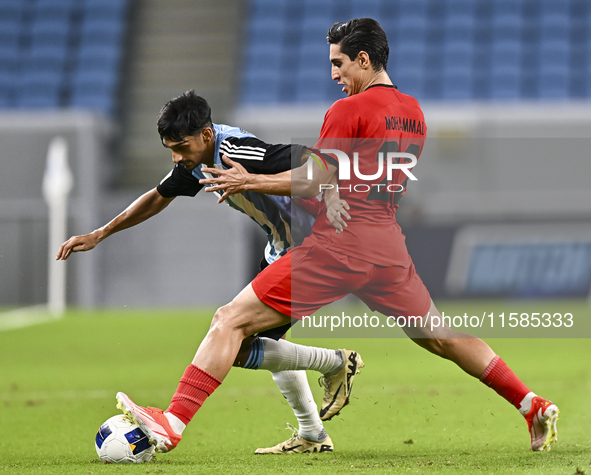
(12, 11)
(507, 7)
(554, 69)
(449, 50)
(93, 99)
(554, 7)
(506, 54)
(314, 29)
(268, 8)
(507, 27)
(55, 4)
(410, 8)
(554, 83)
(410, 54)
(440, 49)
(408, 67)
(105, 9)
(460, 27)
(45, 58)
(49, 32)
(262, 31)
(61, 53)
(313, 58)
(390, 24)
(95, 89)
(312, 85)
(555, 52)
(318, 8)
(411, 29)
(366, 9)
(7, 81)
(9, 58)
(587, 81)
(102, 31)
(264, 57)
(458, 58)
(98, 58)
(460, 7)
(482, 56)
(506, 83)
(410, 80)
(54, 10)
(262, 86)
(39, 89)
(458, 54)
(457, 83)
(10, 33)
(555, 27)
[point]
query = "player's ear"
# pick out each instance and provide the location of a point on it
(363, 60)
(207, 134)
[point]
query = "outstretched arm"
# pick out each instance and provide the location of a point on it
(237, 179)
(144, 207)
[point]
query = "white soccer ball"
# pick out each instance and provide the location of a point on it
(120, 440)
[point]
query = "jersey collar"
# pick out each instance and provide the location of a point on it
(393, 86)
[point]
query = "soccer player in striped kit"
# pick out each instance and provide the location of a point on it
(185, 128)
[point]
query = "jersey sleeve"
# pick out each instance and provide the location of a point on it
(339, 129)
(179, 182)
(261, 158)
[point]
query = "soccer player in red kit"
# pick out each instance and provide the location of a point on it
(367, 256)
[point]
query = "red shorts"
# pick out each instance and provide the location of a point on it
(311, 276)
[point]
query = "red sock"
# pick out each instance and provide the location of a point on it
(195, 387)
(499, 376)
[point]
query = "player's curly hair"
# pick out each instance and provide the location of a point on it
(183, 116)
(361, 34)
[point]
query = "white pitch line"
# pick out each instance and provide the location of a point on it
(26, 317)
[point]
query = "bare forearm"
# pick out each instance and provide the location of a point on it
(277, 184)
(291, 183)
(283, 184)
(294, 182)
(141, 209)
(146, 206)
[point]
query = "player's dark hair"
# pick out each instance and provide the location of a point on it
(183, 116)
(361, 34)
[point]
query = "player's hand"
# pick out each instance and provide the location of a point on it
(336, 212)
(231, 180)
(77, 244)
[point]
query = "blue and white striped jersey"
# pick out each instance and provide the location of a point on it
(285, 223)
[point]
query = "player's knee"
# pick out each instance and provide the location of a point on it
(226, 320)
(217, 319)
(221, 320)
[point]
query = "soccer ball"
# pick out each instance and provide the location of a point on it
(120, 440)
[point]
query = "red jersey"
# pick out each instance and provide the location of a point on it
(366, 127)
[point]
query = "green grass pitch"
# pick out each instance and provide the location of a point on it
(410, 412)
